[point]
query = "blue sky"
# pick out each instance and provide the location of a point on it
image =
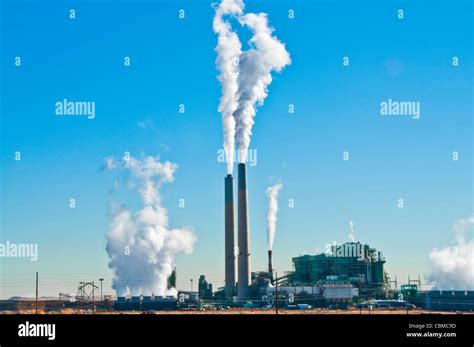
(172, 62)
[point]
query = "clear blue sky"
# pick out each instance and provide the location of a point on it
(337, 109)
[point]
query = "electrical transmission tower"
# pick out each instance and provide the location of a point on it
(86, 292)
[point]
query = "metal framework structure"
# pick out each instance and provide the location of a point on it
(86, 295)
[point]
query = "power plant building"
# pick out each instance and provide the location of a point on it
(351, 262)
(204, 288)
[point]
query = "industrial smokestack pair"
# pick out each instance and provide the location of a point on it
(243, 290)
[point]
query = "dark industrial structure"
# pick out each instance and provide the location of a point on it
(204, 288)
(439, 300)
(145, 303)
(350, 262)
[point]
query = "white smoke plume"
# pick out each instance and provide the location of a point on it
(140, 244)
(244, 75)
(267, 54)
(352, 233)
(228, 52)
(272, 194)
(453, 267)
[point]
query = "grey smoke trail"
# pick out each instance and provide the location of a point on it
(245, 76)
(453, 267)
(272, 194)
(352, 233)
(140, 244)
(228, 52)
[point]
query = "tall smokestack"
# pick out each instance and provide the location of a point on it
(270, 266)
(243, 233)
(229, 237)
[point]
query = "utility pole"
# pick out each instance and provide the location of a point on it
(101, 297)
(415, 281)
(93, 298)
(36, 302)
(101, 280)
(191, 284)
(81, 295)
(276, 293)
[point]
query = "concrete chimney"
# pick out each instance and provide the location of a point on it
(229, 238)
(243, 291)
(270, 266)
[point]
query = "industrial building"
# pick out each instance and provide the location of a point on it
(204, 288)
(145, 303)
(320, 295)
(351, 263)
(439, 300)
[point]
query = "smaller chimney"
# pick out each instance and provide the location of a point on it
(270, 267)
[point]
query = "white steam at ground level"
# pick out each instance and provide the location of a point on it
(140, 244)
(453, 267)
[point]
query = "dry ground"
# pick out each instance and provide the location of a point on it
(250, 311)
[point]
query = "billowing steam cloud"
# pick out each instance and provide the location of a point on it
(453, 267)
(244, 75)
(140, 245)
(272, 194)
(352, 233)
